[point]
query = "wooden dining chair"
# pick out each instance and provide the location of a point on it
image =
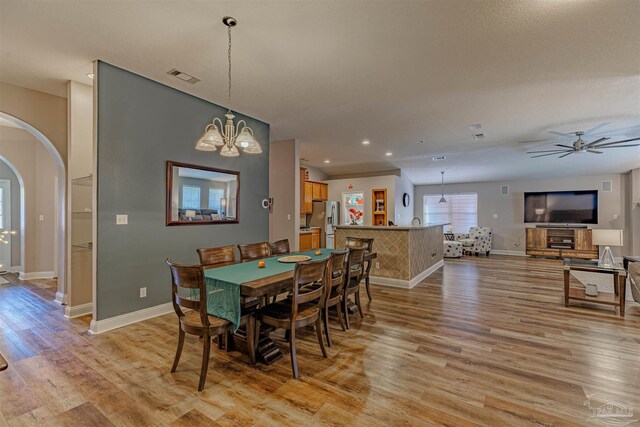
(302, 308)
(280, 247)
(217, 257)
(354, 272)
(354, 242)
(196, 321)
(253, 251)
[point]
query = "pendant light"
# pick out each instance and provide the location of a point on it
(232, 136)
(442, 199)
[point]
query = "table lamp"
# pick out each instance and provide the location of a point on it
(223, 206)
(607, 238)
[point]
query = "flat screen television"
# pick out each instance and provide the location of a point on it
(563, 207)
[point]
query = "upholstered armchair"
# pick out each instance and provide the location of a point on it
(477, 241)
(634, 278)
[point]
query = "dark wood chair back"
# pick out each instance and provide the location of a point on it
(355, 265)
(313, 272)
(252, 251)
(338, 271)
(359, 242)
(188, 277)
(280, 247)
(215, 257)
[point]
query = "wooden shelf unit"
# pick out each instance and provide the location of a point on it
(379, 207)
(561, 242)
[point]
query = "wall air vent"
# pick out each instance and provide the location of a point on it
(478, 136)
(504, 190)
(183, 76)
(607, 186)
(438, 158)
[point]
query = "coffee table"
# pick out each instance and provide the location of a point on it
(616, 299)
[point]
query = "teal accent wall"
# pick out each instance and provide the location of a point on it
(140, 125)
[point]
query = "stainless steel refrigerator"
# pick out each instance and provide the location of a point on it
(326, 215)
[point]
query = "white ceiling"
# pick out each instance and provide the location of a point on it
(334, 73)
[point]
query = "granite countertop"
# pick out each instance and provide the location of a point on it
(392, 228)
(309, 230)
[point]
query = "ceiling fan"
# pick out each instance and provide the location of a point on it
(581, 146)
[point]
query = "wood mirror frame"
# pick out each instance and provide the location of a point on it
(173, 206)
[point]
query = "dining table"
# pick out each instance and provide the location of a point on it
(239, 288)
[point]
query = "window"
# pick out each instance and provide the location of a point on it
(190, 197)
(215, 195)
(461, 210)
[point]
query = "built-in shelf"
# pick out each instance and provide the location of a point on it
(86, 181)
(86, 245)
(379, 206)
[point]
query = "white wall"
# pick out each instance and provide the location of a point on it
(39, 172)
(404, 216)
(509, 227)
(315, 174)
(284, 187)
(365, 185)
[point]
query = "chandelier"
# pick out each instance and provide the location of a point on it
(442, 199)
(232, 136)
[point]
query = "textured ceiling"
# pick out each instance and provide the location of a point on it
(334, 73)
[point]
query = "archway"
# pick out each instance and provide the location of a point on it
(60, 244)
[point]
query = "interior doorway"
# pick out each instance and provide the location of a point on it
(5, 224)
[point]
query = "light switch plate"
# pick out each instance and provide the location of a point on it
(41, 218)
(122, 219)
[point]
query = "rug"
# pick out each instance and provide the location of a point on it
(603, 280)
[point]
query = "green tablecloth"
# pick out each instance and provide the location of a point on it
(223, 283)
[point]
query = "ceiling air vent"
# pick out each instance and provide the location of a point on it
(438, 158)
(183, 76)
(478, 136)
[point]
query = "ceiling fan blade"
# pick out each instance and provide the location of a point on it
(543, 155)
(565, 155)
(619, 142)
(596, 142)
(564, 135)
(546, 151)
(595, 128)
(594, 151)
(617, 146)
(564, 146)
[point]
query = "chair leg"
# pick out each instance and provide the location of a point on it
(366, 282)
(340, 315)
(345, 310)
(319, 335)
(221, 341)
(357, 295)
(251, 340)
(205, 362)
(325, 318)
(292, 347)
(178, 350)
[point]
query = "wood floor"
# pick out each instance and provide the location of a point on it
(484, 341)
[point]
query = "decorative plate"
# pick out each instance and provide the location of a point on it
(294, 258)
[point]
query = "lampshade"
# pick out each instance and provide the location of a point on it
(223, 202)
(229, 151)
(607, 237)
(210, 139)
(253, 148)
(244, 139)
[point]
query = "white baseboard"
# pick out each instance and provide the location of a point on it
(13, 269)
(36, 275)
(104, 325)
(406, 284)
(61, 298)
(78, 310)
(503, 252)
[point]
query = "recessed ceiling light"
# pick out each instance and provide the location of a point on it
(475, 126)
(366, 142)
(388, 153)
(478, 135)
(327, 161)
(438, 158)
(420, 141)
(90, 75)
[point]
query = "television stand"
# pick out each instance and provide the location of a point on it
(560, 226)
(561, 242)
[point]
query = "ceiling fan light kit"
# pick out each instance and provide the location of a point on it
(228, 136)
(580, 146)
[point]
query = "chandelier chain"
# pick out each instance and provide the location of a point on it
(229, 57)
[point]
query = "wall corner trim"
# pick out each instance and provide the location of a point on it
(78, 310)
(105, 325)
(61, 298)
(407, 284)
(36, 275)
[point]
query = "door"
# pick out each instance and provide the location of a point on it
(5, 224)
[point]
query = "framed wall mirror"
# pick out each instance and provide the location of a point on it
(201, 195)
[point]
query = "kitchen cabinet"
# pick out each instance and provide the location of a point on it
(324, 192)
(317, 192)
(315, 238)
(308, 197)
(305, 241)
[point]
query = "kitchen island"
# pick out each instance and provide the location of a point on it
(406, 255)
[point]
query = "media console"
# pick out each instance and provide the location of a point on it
(561, 242)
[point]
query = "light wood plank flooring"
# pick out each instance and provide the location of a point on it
(484, 341)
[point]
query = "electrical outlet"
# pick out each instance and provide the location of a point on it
(41, 218)
(377, 265)
(288, 217)
(122, 219)
(143, 292)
